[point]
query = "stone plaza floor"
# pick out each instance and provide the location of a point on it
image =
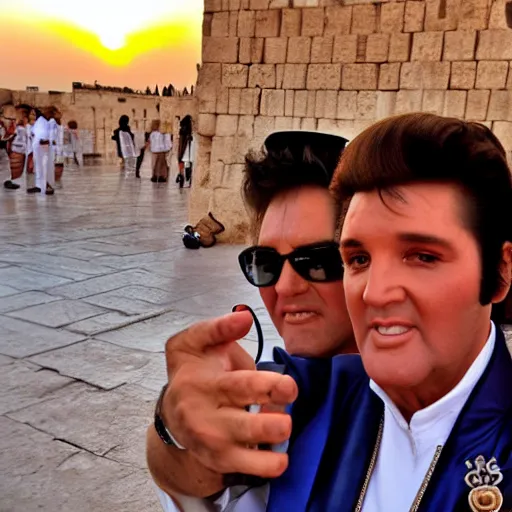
(93, 280)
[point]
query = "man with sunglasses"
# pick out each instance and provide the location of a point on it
(426, 424)
(296, 263)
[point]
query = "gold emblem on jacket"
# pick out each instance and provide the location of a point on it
(483, 478)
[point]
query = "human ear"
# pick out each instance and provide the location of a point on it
(505, 273)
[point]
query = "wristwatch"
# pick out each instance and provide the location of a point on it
(161, 429)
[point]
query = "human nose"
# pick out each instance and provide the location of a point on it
(383, 285)
(290, 283)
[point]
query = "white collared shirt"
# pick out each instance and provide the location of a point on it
(407, 450)
(405, 454)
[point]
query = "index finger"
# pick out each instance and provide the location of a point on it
(200, 337)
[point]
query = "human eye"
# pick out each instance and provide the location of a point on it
(356, 261)
(422, 257)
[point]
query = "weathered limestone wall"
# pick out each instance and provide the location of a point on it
(338, 66)
(97, 113)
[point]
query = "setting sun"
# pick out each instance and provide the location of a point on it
(109, 37)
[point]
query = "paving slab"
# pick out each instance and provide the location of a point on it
(47, 474)
(24, 384)
(24, 300)
(98, 421)
(25, 279)
(58, 313)
(99, 363)
(105, 322)
(21, 339)
(7, 290)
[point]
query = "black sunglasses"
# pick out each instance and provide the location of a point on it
(319, 263)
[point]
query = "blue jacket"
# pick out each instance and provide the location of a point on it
(336, 421)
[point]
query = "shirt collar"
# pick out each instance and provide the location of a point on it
(440, 416)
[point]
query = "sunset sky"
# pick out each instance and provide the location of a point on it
(134, 43)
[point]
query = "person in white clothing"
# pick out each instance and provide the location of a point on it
(43, 152)
(159, 144)
(29, 161)
(18, 148)
(422, 420)
(57, 143)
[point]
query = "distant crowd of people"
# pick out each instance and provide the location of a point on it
(38, 146)
(159, 143)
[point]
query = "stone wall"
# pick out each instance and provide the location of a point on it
(97, 113)
(338, 66)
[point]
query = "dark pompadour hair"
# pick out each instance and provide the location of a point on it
(288, 160)
(428, 148)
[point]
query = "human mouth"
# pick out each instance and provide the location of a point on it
(392, 330)
(299, 317)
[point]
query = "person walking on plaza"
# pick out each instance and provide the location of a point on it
(160, 144)
(43, 152)
(57, 143)
(185, 151)
(29, 161)
(124, 127)
(72, 148)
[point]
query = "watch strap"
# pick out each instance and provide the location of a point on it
(161, 428)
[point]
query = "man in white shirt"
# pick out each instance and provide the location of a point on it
(426, 423)
(43, 152)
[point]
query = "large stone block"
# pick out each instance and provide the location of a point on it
(366, 105)
(222, 101)
(347, 103)
(389, 77)
(331, 104)
(494, 45)
(246, 23)
(263, 126)
(275, 50)
(251, 50)
(207, 24)
(386, 104)
(327, 126)
(474, 14)
(272, 102)
(263, 76)
(284, 123)
(476, 107)
(234, 75)
(246, 126)
(433, 101)
(503, 130)
(220, 24)
(300, 103)
(212, 5)
(262, 5)
(288, 103)
(227, 205)
(323, 76)
(311, 104)
(308, 123)
(320, 104)
(206, 124)
(459, 45)
(222, 150)
(279, 76)
(220, 49)
(233, 23)
(463, 75)
(299, 50)
(337, 20)
(234, 101)
(268, 23)
(509, 79)
(345, 48)
(414, 16)
(359, 76)
(425, 75)
(408, 101)
(455, 103)
(427, 46)
(399, 47)
(497, 18)
(295, 76)
(364, 19)
(249, 101)
(291, 23)
(313, 22)
(392, 17)
(235, 5)
(296, 123)
(227, 125)
(442, 14)
(491, 74)
(377, 48)
(500, 106)
(306, 3)
(321, 49)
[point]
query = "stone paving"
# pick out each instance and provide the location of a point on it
(92, 282)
